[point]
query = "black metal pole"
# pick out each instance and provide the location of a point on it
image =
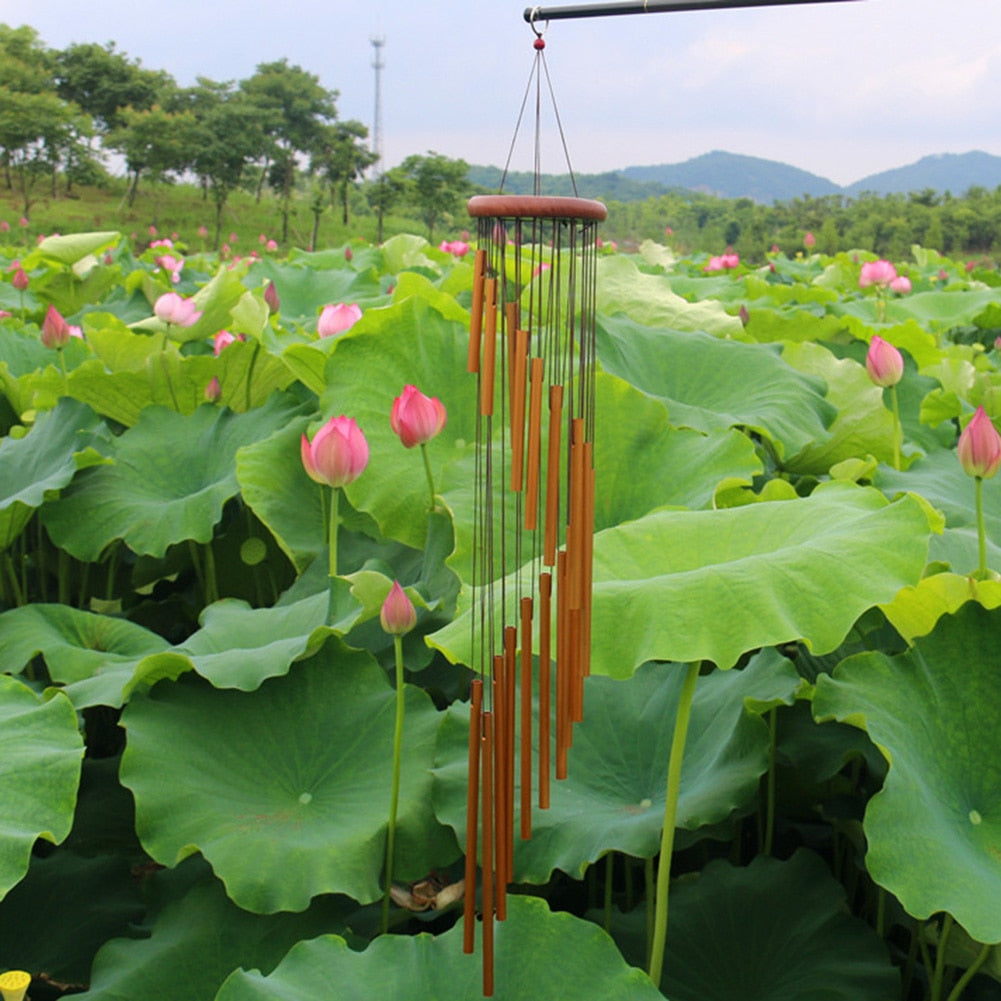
(535, 14)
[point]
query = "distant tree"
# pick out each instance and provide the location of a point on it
(293, 110)
(104, 82)
(155, 142)
(438, 186)
(385, 192)
(228, 139)
(341, 159)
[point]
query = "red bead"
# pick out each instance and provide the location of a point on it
(539, 43)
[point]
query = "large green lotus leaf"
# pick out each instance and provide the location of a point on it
(64, 910)
(303, 290)
(172, 475)
(710, 585)
(651, 301)
(75, 644)
(275, 485)
(933, 830)
(939, 478)
(942, 309)
(915, 610)
(538, 954)
(197, 941)
(40, 754)
(34, 468)
(285, 790)
(70, 248)
(773, 931)
(642, 462)
(793, 324)
(407, 343)
(711, 384)
(864, 425)
(614, 794)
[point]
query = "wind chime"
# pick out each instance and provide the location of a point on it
(532, 352)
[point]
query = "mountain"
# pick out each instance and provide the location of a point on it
(955, 172)
(730, 175)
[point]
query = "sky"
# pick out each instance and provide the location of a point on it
(842, 89)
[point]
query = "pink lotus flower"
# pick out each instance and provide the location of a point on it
(165, 242)
(979, 448)
(809, 240)
(23, 222)
(203, 231)
(338, 453)
(416, 418)
(884, 362)
(724, 262)
(172, 265)
(668, 231)
(55, 330)
(397, 615)
(5, 315)
(75, 331)
(20, 279)
(458, 248)
(335, 319)
(901, 284)
(879, 273)
(222, 340)
(4, 226)
(152, 230)
(262, 238)
(271, 297)
(175, 309)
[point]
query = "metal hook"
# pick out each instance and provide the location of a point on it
(530, 15)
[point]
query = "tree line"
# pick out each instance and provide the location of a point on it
(63, 111)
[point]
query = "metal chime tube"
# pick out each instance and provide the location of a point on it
(532, 350)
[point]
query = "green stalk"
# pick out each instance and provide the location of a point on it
(651, 896)
(766, 848)
(897, 430)
(981, 533)
(332, 523)
(395, 796)
(211, 584)
(427, 470)
(940, 951)
(11, 571)
(670, 816)
(968, 975)
(609, 873)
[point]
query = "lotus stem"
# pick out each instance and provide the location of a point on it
(969, 973)
(427, 470)
(609, 874)
(333, 517)
(897, 429)
(394, 799)
(766, 847)
(978, 493)
(681, 722)
(651, 895)
(940, 950)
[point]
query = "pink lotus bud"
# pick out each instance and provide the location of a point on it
(338, 453)
(668, 231)
(348, 254)
(335, 319)
(262, 239)
(233, 237)
(108, 259)
(879, 273)
(152, 230)
(203, 231)
(271, 297)
(970, 265)
(979, 448)
(5, 314)
(397, 615)
(901, 284)
(4, 226)
(884, 362)
(744, 314)
(55, 330)
(221, 341)
(23, 222)
(775, 249)
(175, 309)
(20, 279)
(213, 391)
(809, 240)
(271, 246)
(943, 275)
(416, 418)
